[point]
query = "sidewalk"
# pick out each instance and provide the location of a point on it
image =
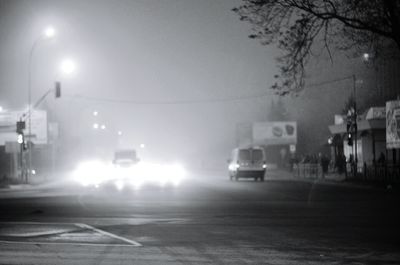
(36, 182)
(329, 179)
(279, 174)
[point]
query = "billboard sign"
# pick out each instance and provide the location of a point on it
(393, 124)
(275, 133)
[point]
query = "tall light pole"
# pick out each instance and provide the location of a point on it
(48, 33)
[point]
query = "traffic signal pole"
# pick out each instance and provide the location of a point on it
(57, 92)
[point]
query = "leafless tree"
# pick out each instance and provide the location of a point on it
(299, 27)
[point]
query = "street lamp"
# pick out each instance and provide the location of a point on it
(68, 66)
(48, 33)
(366, 56)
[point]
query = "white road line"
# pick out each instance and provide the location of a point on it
(132, 242)
(64, 243)
(81, 225)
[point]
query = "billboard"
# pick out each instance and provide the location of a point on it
(393, 124)
(8, 120)
(275, 133)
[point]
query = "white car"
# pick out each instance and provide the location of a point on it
(247, 163)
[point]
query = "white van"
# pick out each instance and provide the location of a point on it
(247, 163)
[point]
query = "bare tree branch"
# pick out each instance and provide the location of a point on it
(295, 26)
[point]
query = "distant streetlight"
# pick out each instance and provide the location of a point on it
(119, 133)
(95, 126)
(366, 56)
(95, 113)
(49, 32)
(68, 66)
(103, 127)
(142, 146)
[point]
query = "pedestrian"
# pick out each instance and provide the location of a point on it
(324, 164)
(381, 159)
(340, 163)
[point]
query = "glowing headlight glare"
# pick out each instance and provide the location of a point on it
(90, 173)
(173, 174)
(264, 166)
(119, 184)
(233, 167)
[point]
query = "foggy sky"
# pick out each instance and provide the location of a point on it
(143, 51)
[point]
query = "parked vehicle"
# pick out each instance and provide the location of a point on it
(125, 158)
(247, 163)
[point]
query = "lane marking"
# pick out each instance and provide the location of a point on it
(80, 225)
(132, 242)
(65, 243)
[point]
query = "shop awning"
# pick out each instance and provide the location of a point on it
(364, 125)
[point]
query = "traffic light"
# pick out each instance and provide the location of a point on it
(350, 139)
(20, 138)
(20, 126)
(58, 89)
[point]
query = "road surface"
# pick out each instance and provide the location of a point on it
(206, 220)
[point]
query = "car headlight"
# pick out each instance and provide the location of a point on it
(119, 184)
(233, 167)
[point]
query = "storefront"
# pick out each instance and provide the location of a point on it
(371, 138)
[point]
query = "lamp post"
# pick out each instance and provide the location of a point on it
(48, 33)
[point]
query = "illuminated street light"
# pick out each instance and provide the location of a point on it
(68, 66)
(95, 113)
(366, 56)
(119, 133)
(103, 127)
(95, 126)
(142, 146)
(49, 32)
(20, 138)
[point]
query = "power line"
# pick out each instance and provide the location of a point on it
(330, 81)
(158, 102)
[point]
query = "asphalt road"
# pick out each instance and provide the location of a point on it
(206, 220)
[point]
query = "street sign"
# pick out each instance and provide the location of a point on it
(393, 124)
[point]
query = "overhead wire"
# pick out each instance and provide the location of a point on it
(165, 102)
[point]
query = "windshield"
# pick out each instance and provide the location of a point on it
(244, 155)
(125, 155)
(257, 155)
